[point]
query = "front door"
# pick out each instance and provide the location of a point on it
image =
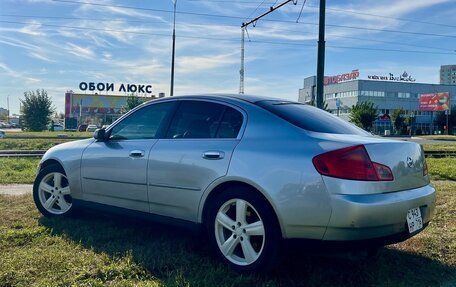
(114, 172)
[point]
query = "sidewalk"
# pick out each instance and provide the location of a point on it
(15, 189)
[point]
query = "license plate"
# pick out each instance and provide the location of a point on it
(414, 220)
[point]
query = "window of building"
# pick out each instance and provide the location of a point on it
(403, 95)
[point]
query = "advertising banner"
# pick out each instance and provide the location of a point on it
(435, 102)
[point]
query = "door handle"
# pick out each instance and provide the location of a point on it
(212, 154)
(136, 153)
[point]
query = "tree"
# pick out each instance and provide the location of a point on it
(441, 119)
(363, 114)
(37, 110)
(325, 105)
(133, 101)
(399, 120)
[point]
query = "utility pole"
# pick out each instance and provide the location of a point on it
(244, 27)
(174, 49)
(241, 71)
(321, 55)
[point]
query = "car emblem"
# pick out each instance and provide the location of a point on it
(409, 161)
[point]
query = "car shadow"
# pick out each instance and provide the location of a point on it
(169, 252)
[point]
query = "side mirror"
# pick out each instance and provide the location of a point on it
(100, 135)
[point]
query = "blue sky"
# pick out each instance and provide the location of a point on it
(55, 45)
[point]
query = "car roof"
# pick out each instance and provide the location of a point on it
(247, 98)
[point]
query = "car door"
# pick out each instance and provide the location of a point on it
(114, 171)
(196, 150)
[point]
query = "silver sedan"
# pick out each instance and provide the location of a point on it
(253, 171)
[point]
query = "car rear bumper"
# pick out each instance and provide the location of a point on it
(360, 217)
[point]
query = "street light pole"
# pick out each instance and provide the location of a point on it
(174, 49)
(321, 54)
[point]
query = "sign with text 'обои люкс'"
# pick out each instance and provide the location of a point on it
(111, 87)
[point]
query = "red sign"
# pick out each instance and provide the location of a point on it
(436, 102)
(342, 77)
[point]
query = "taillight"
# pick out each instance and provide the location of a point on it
(351, 163)
(425, 168)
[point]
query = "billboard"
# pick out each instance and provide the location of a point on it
(435, 102)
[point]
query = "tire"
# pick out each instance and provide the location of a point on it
(51, 192)
(244, 231)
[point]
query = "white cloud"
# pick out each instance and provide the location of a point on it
(14, 74)
(190, 64)
(84, 52)
(32, 29)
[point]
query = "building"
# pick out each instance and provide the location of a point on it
(386, 92)
(94, 108)
(448, 74)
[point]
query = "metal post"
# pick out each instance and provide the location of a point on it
(241, 71)
(174, 50)
(447, 127)
(321, 55)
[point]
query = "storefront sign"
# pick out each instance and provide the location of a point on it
(109, 87)
(436, 102)
(342, 77)
(405, 77)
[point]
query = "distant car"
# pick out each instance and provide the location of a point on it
(2, 134)
(252, 171)
(56, 127)
(82, 128)
(91, 128)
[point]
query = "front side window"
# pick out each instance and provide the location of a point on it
(142, 124)
(199, 119)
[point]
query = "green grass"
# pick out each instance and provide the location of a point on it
(112, 251)
(439, 147)
(48, 134)
(30, 144)
(439, 137)
(442, 168)
(17, 170)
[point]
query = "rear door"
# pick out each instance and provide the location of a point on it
(114, 172)
(196, 151)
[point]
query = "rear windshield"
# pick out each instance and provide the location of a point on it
(310, 118)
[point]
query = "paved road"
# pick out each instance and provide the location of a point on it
(15, 189)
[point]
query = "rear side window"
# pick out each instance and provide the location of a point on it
(310, 118)
(199, 119)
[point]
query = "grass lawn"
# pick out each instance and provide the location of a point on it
(46, 134)
(112, 251)
(30, 144)
(439, 147)
(439, 137)
(17, 170)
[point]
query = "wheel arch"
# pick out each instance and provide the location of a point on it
(49, 162)
(221, 187)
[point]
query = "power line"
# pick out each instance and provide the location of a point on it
(387, 17)
(81, 18)
(230, 40)
(338, 10)
(269, 20)
(225, 25)
(250, 15)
